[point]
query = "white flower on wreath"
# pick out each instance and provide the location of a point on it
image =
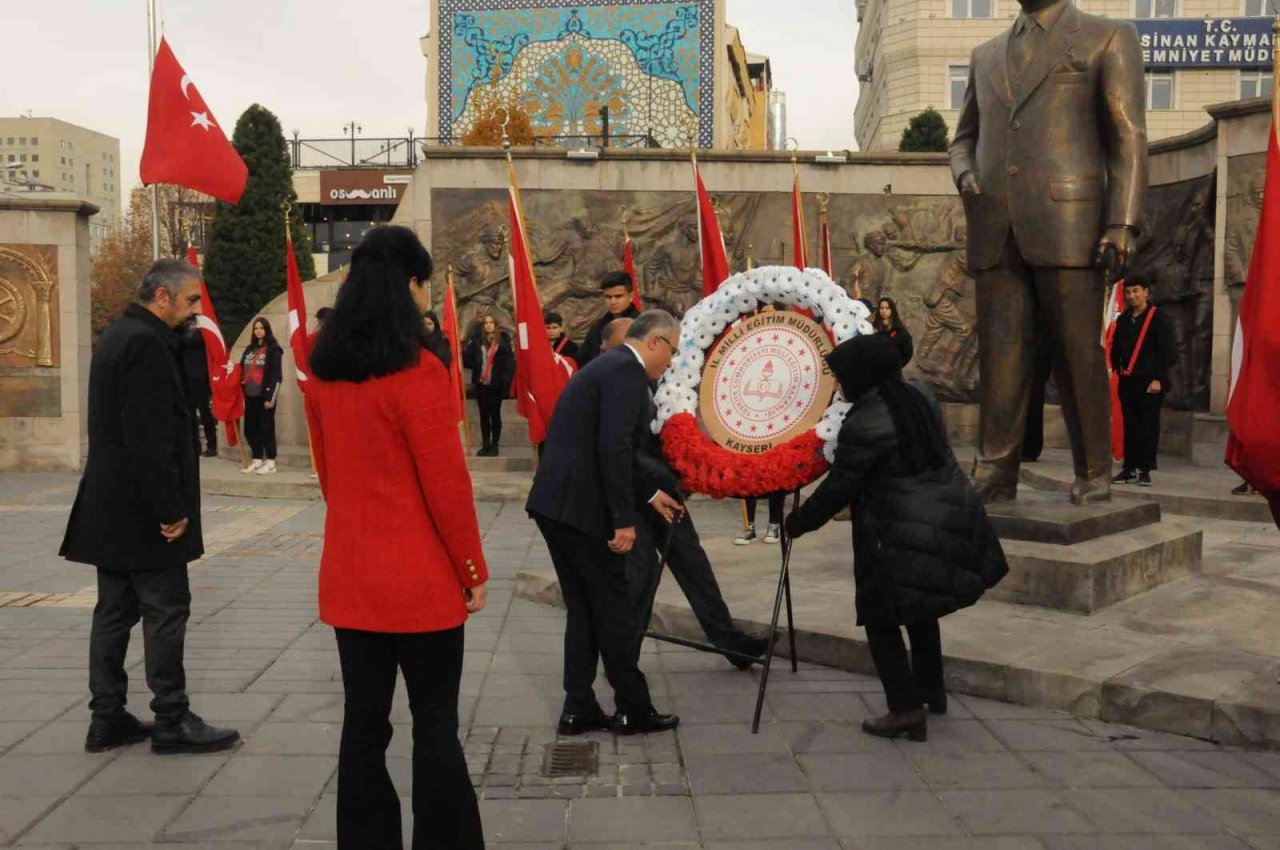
(743, 295)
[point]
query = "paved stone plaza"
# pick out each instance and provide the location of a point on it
(991, 776)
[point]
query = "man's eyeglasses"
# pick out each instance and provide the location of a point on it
(675, 349)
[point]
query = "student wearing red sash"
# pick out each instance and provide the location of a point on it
(888, 322)
(1142, 353)
(489, 356)
(560, 342)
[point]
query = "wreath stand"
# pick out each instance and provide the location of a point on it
(783, 594)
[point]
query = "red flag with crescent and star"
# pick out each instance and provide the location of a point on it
(185, 146)
(541, 374)
(224, 375)
(1253, 400)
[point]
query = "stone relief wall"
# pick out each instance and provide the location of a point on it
(906, 247)
(28, 305)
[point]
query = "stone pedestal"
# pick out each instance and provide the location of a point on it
(1084, 558)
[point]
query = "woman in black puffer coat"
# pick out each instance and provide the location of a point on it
(922, 544)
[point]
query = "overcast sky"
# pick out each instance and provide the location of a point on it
(321, 63)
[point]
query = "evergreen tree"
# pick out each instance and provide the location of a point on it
(244, 260)
(926, 132)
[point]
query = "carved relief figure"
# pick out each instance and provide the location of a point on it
(481, 277)
(957, 359)
(28, 288)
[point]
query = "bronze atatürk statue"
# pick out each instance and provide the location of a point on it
(1050, 156)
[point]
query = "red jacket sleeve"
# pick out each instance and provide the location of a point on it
(424, 404)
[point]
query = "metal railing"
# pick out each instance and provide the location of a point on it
(405, 152)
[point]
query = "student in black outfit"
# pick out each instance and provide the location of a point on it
(260, 382)
(584, 501)
(890, 323)
(560, 342)
(1143, 351)
(616, 289)
(195, 367)
(489, 356)
(436, 342)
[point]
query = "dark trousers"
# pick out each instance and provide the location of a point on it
(1141, 412)
(1033, 435)
(204, 412)
(1024, 310)
(489, 400)
(600, 623)
(260, 427)
(777, 501)
(162, 600)
(906, 684)
(445, 813)
(688, 563)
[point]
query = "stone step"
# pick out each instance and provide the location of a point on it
(1090, 575)
(1042, 517)
(521, 462)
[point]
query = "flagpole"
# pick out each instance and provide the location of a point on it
(151, 63)
(455, 352)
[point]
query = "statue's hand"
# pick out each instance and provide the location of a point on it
(969, 184)
(1116, 249)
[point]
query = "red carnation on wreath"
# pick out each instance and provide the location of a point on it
(706, 466)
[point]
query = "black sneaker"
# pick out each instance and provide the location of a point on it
(1144, 479)
(1126, 476)
(1243, 490)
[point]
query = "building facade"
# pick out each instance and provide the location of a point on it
(341, 205)
(914, 54)
(49, 155)
(665, 71)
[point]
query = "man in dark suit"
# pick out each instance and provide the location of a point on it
(1050, 156)
(615, 287)
(686, 558)
(195, 367)
(584, 500)
(137, 516)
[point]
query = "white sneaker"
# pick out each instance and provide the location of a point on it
(773, 533)
(267, 468)
(747, 537)
(252, 467)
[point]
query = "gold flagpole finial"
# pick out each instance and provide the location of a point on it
(751, 257)
(693, 137)
(506, 139)
(286, 207)
(625, 213)
(824, 200)
(795, 167)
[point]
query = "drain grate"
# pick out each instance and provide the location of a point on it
(571, 758)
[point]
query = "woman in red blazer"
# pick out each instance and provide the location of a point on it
(402, 565)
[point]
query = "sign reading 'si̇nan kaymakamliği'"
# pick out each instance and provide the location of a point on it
(1205, 42)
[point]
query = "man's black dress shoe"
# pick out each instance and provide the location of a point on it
(116, 730)
(576, 724)
(190, 734)
(753, 646)
(643, 724)
(937, 701)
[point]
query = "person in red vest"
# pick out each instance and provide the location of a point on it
(1142, 353)
(492, 361)
(402, 566)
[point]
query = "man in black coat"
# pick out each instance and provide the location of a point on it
(136, 516)
(195, 366)
(1144, 379)
(584, 500)
(686, 558)
(616, 289)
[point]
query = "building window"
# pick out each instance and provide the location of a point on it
(1155, 8)
(1159, 90)
(1261, 8)
(22, 140)
(1255, 84)
(973, 8)
(35, 141)
(35, 157)
(35, 173)
(957, 79)
(9, 140)
(22, 157)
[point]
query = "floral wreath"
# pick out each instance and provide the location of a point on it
(704, 465)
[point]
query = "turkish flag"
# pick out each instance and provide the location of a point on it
(449, 327)
(629, 266)
(1115, 308)
(224, 375)
(541, 374)
(800, 251)
(297, 305)
(1253, 405)
(185, 146)
(715, 265)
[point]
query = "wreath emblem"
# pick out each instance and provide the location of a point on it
(749, 406)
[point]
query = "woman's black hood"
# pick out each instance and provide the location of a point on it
(864, 362)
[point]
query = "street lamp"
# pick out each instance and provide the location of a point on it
(350, 130)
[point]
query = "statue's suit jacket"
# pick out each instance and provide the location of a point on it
(1060, 152)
